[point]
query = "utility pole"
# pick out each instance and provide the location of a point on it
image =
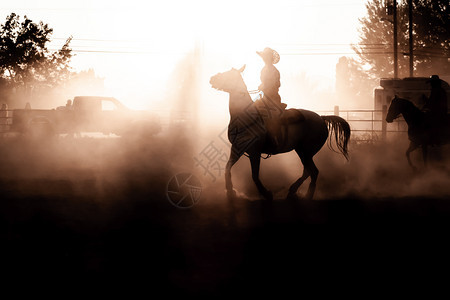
(411, 59)
(395, 40)
(392, 10)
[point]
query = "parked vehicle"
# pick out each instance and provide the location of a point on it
(105, 115)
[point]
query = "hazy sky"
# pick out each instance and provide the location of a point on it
(136, 44)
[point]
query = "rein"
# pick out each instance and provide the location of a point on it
(268, 156)
(254, 91)
(253, 123)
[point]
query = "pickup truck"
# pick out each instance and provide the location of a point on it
(106, 115)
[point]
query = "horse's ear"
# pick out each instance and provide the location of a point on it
(242, 69)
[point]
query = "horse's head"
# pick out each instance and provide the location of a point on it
(394, 109)
(230, 81)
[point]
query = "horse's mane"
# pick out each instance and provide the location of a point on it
(407, 102)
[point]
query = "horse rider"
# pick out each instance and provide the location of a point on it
(436, 105)
(270, 76)
(270, 85)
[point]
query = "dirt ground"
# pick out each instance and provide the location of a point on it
(91, 216)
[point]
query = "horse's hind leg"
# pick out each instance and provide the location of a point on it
(309, 169)
(296, 185)
(411, 148)
(314, 174)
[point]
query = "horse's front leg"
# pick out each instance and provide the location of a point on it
(255, 161)
(425, 154)
(410, 149)
(234, 157)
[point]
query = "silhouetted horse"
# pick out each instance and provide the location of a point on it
(248, 135)
(423, 131)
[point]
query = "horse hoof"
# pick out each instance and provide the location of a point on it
(309, 196)
(268, 195)
(292, 196)
(231, 194)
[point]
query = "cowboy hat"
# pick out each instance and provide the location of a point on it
(269, 53)
(434, 78)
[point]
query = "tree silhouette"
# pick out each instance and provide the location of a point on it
(431, 32)
(353, 85)
(25, 61)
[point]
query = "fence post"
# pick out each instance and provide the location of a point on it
(384, 123)
(336, 110)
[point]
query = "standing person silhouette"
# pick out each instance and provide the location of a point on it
(270, 85)
(69, 105)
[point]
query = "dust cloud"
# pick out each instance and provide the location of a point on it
(375, 170)
(97, 165)
(96, 209)
(196, 123)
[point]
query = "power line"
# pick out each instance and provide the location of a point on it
(277, 44)
(282, 53)
(97, 40)
(123, 52)
(294, 49)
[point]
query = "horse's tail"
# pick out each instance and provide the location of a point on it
(341, 130)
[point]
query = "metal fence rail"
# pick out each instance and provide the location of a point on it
(367, 124)
(5, 120)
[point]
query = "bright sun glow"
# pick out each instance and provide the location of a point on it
(136, 45)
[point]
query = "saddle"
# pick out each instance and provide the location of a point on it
(276, 119)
